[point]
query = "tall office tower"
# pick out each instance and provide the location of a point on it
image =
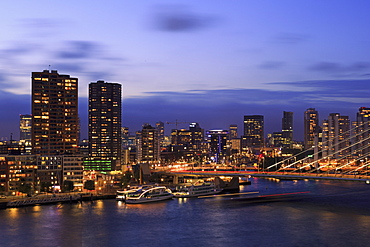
(233, 131)
(217, 140)
(361, 128)
(287, 129)
(25, 127)
(105, 122)
(336, 136)
(253, 131)
(148, 148)
(54, 113)
(160, 128)
(311, 127)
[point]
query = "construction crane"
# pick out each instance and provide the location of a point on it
(177, 123)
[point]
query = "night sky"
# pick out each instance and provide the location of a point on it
(208, 61)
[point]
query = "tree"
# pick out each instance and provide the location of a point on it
(45, 186)
(25, 188)
(68, 185)
(126, 178)
(89, 185)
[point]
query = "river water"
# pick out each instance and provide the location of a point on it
(331, 214)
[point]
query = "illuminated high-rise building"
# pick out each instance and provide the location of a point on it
(253, 131)
(361, 129)
(25, 127)
(336, 136)
(311, 127)
(105, 123)
(160, 128)
(287, 129)
(217, 140)
(55, 123)
(188, 142)
(148, 144)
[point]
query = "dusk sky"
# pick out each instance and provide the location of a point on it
(208, 61)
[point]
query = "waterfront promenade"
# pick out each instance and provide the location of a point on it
(20, 201)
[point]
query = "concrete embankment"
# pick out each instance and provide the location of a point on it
(40, 200)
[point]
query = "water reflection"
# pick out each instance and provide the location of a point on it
(332, 214)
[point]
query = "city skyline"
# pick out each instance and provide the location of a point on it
(206, 62)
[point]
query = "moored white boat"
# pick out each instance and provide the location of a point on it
(148, 194)
(204, 189)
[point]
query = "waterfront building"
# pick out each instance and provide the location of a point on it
(55, 123)
(336, 136)
(287, 129)
(73, 171)
(105, 122)
(17, 173)
(253, 132)
(311, 127)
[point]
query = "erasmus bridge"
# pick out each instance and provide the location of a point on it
(345, 156)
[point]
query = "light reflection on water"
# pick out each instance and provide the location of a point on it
(333, 214)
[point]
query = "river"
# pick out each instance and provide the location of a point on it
(332, 213)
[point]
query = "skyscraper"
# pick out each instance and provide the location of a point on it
(105, 122)
(287, 129)
(311, 127)
(54, 113)
(253, 131)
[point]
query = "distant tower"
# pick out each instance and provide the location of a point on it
(54, 113)
(311, 127)
(253, 131)
(233, 131)
(160, 127)
(105, 122)
(25, 127)
(287, 129)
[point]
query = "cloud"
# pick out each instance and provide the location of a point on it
(290, 38)
(177, 18)
(271, 65)
(78, 49)
(341, 69)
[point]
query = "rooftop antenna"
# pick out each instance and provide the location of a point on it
(49, 67)
(11, 137)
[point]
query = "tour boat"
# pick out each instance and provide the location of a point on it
(204, 189)
(148, 194)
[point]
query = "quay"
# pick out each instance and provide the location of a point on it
(50, 199)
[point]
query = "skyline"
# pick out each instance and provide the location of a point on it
(206, 62)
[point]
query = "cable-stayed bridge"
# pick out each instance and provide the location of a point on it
(345, 156)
